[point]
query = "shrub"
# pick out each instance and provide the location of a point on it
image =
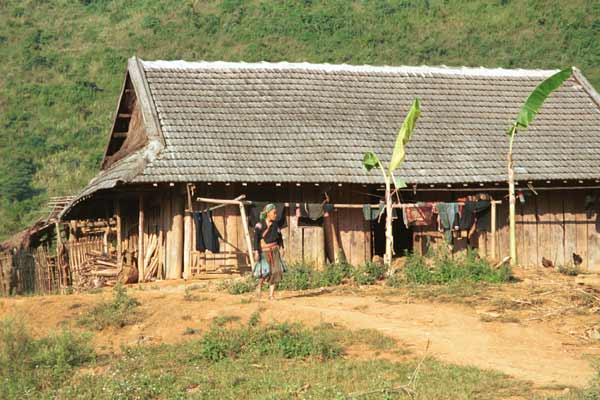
(283, 340)
(240, 286)
(568, 270)
(369, 273)
(27, 364)
(298, 277)
(118, 312)
(443, 268)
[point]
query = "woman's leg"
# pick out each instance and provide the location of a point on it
(271, 290)
(261, 281)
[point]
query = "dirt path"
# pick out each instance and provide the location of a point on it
(456, 333)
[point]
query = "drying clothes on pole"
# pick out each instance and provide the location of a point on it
(484, 216)
(473, 211)
(447, 215)
(419, 215)
(207, 235)
(371, 213)
(327, 209)
(312, 211)
(253, 210)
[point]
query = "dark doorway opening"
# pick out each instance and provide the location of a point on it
(403, 236)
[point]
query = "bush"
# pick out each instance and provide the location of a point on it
(298, 277)
(369, 273)
(240, 286)
(118, 312)
(443, 268)
(27, 364)
(283, 340)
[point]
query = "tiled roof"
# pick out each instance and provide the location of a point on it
(237, 122)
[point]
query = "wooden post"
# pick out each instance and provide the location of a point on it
(119, 238)
(140, 253)
(187, 244)
(175, 238)
(493, 239)
(247, 234)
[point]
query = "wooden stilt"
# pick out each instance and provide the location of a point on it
(140, 251)
(175, 239)
(247, 234)
(493, 239)
(119, 238)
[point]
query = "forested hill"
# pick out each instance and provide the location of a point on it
(63, 61)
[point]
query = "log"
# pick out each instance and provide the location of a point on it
(140, 253)
(175, 239)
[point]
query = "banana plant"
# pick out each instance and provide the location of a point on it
(370, 161)
(526, 115)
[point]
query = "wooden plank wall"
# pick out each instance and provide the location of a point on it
(302, 243)
(553, 225)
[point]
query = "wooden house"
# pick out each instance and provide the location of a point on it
(296, 133)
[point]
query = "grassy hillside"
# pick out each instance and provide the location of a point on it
(63, 60)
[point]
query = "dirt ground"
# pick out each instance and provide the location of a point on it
(542, 328)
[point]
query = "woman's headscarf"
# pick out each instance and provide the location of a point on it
(265, 210)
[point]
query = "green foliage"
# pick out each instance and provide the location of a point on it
(569, 270)
(118, 312)
(539, 95)
(244, 285)
(404, 135)
(282, 340)
(28, 364)
(442, 268)
(63, 62)
(369, 273)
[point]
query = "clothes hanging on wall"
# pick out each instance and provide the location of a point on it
(207, 235)
(370, 213)
(419, 215)
(312, 211)
(472, 211)
(447, 216)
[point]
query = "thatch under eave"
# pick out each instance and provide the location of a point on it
(24, 238)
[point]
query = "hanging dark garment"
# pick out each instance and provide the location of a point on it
(370, 213)
(199, 240)
(483, 215)
(447, 213)
(312, 211)
(474, 211)
(207, 235)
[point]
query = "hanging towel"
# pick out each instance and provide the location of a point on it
(420, 215)
(371, 214)
(312, 211)
(447, 213)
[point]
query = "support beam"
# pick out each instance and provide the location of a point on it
(246, 234)
(187, 244)
(141, 253)
(493, 239)
(175, 237)
(119, 237)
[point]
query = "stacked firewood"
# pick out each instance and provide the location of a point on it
(96, 271)
(152, 264)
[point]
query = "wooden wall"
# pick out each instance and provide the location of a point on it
(553, 225)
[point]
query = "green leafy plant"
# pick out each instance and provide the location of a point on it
(369, 273)
(528, 111)
(370, 161)
(118, 312)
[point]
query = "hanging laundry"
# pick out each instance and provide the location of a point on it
(419, 215)
(312, 211)
(473, 211)
(327, 209)
(207, 235)
(370, 213)
(447, 215)
(483, 215)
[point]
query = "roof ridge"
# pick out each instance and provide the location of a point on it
(403, 69)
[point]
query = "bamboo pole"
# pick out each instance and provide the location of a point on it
(493, 239)
(512, 203)
(187, 244)
(140, 254)
(119, 238)
(246, 234)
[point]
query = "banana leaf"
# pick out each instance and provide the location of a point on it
(535, 100)
(404, 135)
(370, 161)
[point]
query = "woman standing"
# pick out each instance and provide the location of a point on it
(268, 248)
